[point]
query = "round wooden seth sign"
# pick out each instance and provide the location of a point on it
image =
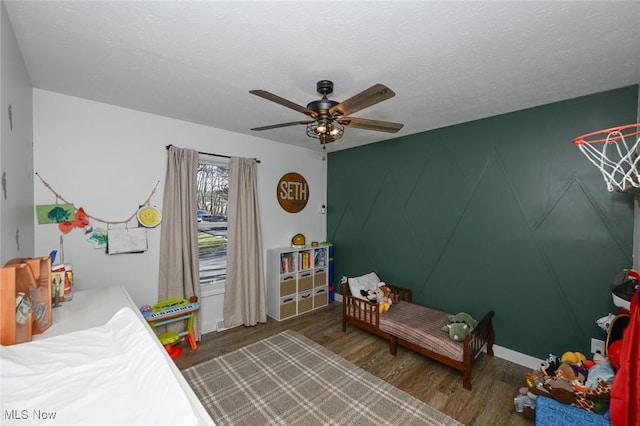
(292, 192)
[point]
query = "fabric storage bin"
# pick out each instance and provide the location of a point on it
(288, 306)
(305, 281)
(320, 297)
(320, 277)
(287, 285)
(305, 302)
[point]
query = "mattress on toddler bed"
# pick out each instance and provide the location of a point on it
(421, 326)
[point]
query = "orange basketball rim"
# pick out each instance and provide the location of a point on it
(615, 152)
(610, 135)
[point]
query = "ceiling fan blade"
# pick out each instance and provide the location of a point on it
(363, 123)
(275, 126)
(282, 101)
(371, 96)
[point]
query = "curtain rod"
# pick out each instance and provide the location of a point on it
(215, 155)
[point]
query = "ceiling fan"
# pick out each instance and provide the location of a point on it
(328, 118)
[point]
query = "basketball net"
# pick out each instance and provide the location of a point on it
(616, 158)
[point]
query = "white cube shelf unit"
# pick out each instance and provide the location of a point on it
(297, 280)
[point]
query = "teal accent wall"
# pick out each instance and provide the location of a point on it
(503, 213)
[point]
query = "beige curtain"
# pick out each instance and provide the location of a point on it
(244, 299)
(179, 265)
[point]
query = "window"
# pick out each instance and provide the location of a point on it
(213, 197)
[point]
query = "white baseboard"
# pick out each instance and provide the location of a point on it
(516, 357)
(500, 352)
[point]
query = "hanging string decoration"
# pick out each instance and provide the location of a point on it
(147, 215)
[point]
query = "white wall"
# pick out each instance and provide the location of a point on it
(107, 159)
(16, 149)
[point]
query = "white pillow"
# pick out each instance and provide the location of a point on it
(370, 281)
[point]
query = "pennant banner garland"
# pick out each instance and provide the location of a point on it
(121, 240)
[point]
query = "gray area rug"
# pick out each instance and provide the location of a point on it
(287, 379)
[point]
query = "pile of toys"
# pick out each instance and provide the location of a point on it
(574, 380)
(570, 379)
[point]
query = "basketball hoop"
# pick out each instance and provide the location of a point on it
(617, 160)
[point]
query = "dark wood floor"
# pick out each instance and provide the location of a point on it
(494, 380)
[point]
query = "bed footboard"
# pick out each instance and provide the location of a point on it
(481, 336)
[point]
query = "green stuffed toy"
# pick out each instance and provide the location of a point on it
(458, 331)
(465, 318)
(461, 325)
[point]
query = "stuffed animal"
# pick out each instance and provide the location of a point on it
(550, 366)
(573, 357)
(379, 295)
(601, 369)
(524, 399)
(372, 295)
(595, 400)
(458, 331)
(461, 325)
(385, 301)
(464, 318)
(555, 384)
(537, 382)
(570, 372)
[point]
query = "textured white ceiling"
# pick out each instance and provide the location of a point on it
(448, 62)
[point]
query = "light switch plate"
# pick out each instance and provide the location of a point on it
(597, 346)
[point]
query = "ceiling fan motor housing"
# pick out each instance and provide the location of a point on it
(322, 106)
(324, 87)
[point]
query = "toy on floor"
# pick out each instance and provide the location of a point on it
(168, 339)
(524, 399)
(601, 369)
(550, 366)
(572, 382)
(573, 357)
(170, 311)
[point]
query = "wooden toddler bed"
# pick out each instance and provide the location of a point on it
(418, 328)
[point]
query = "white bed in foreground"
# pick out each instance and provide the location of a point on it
(114, 374)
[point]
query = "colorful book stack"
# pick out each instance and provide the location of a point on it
(288, 264)
(305, 260)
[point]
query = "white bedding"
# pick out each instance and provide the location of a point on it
(108, 375)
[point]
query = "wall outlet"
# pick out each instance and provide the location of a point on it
(597, 346)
